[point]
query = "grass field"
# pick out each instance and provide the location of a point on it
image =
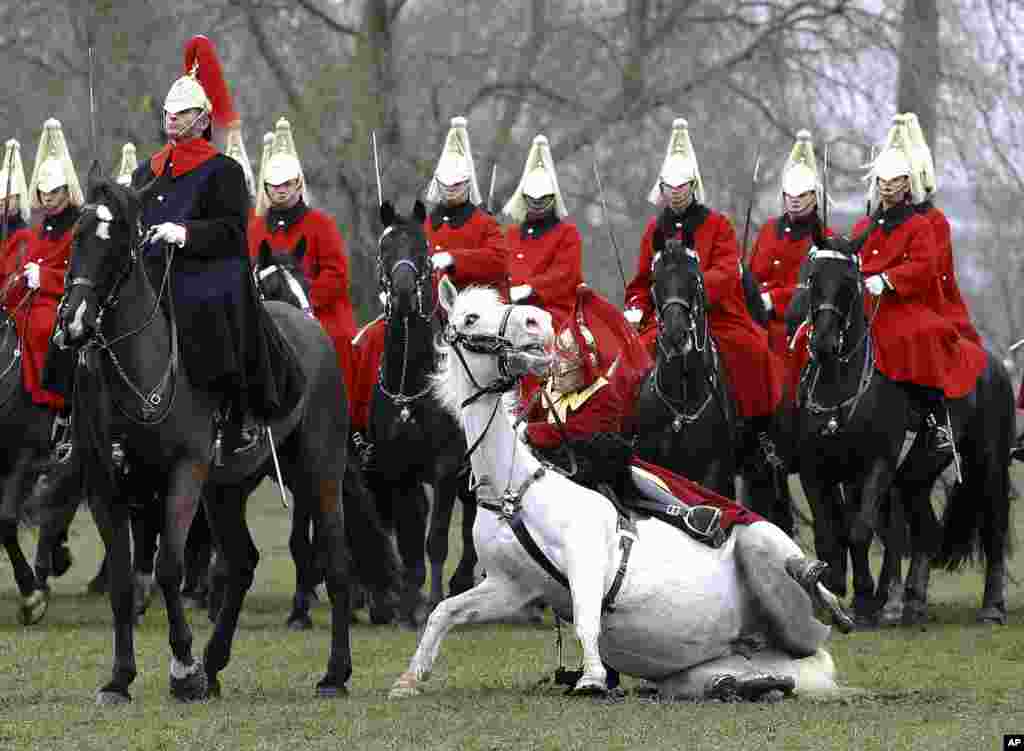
(952, 686)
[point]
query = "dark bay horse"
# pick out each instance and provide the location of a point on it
(25, 428)
(128, 379)
(417, 441)
(685, 417)
(280, 277)
(852, 425)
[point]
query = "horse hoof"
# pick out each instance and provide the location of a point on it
(299, 621)
(992, 616)
(191, 688)
(890, 617)
(761, 686)
(328, 689)
(589, 687)
(112, 697)
(33, 607)
(914, 616)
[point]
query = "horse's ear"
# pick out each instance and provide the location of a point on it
(387, 214)
(300, 249)
(447, 294)
(419, 211)
(266, 257)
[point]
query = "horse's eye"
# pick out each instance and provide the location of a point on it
(471, 319)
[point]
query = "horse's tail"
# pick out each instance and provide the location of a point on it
(91, 425)
(977, 517)
(375, 561)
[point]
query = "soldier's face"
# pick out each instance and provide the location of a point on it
(677, 196)
(177, 124)
(285, 195)
(538, 208)
(54, 201)
(455, 194)
(892, 191)
(800, 205)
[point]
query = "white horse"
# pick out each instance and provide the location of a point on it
(682, 614)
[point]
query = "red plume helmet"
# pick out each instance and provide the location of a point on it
(604, 338)
(201, 60)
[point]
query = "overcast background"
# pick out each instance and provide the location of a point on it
(603, 80)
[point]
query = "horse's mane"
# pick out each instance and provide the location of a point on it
(451, 382)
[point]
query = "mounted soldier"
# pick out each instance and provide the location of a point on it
(288, 225)
(784, 241)
(575, 425)
(952, 306)
(15, 213)
(545, 252)
(35, 297)
(754, 372)
(916, 345)
(465, 243)
(195, 204)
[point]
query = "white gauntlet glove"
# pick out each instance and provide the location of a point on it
(520, 292)
(442, 261)
(32, 275)
(169, 232)
(875, 284)
(634, 316)
(766, 299)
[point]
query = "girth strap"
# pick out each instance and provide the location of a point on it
(627, 536)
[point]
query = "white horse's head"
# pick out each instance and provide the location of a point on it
(490, 345)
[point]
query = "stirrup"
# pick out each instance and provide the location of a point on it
(769, 454)
(940, 435)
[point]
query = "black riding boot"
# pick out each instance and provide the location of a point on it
(935, 422)
(241, 432)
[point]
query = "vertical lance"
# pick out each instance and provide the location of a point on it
(608, 223)
(7, 201)
(376, 168)
(490, 192)
(824, 191)
(750, 207)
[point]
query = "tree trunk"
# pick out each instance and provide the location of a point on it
(918, 87)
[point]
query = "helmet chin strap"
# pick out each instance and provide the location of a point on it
(187, 129)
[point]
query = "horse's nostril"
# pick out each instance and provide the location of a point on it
(531, 323)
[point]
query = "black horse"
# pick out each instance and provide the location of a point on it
(128, 363)
(852, 425)
(685, 417)
(416, 440)
(26, 441)
(280, 277)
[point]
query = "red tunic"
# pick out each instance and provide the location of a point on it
(17, 242)
(952, 304)
(35, 311)
(602, 413)
(474, 240)
(779, 250)
(325, 265)
(754, 372)
(367, 349)
(548, 256)
(913, 342)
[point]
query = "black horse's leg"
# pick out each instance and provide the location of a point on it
(332, 534)
(147, 520)
(410, 527)
(891, 591)
(303, 555)
(33, 596)
(225, 510)
(437, 538)
(198, 550)
(188, 681)
(823, 497)
(112, 522)
(463, 578)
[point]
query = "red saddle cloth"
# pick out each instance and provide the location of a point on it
(691, 493)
